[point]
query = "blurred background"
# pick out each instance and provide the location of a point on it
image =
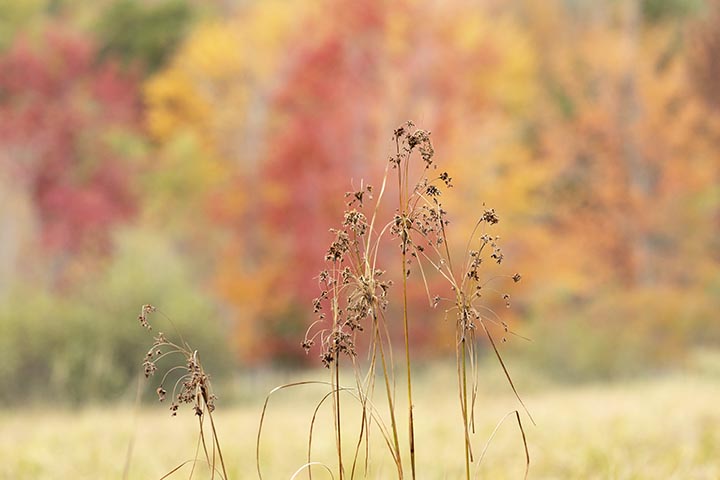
(193, 155)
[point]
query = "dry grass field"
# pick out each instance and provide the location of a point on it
(662, 428)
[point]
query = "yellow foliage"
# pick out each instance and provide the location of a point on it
(534, 113)
(173, 106)
(217, 85)
(509, 80)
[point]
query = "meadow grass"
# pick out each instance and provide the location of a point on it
(666, 427)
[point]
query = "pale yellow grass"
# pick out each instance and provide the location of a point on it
(666, 428)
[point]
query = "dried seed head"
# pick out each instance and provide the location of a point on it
(339, 247)
(145, 311)
(432, 191)
(490, 216)
(446, 178)
(149, 368)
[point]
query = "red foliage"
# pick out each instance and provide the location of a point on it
(327, 99)
(343, 92)
(58, 107)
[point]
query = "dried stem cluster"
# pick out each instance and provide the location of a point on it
(354, 299)
(354, 293)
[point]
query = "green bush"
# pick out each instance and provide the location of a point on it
(88, 345)
(620, 333)
(144, 32)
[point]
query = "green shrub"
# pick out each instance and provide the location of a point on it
(621, 333)
(85, 345)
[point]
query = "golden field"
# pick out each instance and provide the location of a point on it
(662, 428)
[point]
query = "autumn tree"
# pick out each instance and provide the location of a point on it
(451, 66)
(617, 169)
(625, 144)
(579, 124)
(66, 123)
(209, 114)
(289, 111)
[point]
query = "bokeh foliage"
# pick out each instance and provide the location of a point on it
(84, 345)
(143, 33)
(193, 155)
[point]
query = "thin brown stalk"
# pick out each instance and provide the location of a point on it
(215, 438)
(311, 464)
(391, 403)
(310, 435)
(364, 432)
(176, 469)
(336, 408)
(171, 472)
(524, 440)
(264, 411)
(406, 329)
(465, 408)
(505, 370)
(201, 442)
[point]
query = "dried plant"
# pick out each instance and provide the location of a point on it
(421, 227)
(192, 388)
(354, 299)
(354, 292)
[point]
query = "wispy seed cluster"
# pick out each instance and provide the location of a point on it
(193, 387)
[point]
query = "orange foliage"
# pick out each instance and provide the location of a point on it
(583, 128)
